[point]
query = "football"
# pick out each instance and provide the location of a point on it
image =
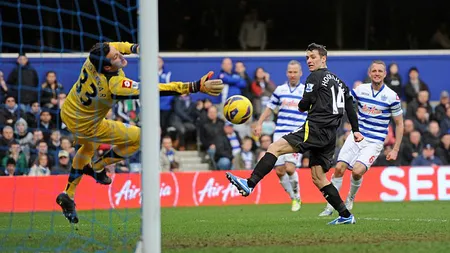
(238, 109)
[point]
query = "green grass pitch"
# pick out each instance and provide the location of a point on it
(381, 227)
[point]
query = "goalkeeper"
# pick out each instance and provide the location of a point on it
(102, 81)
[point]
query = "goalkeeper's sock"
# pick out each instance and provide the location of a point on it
(264, 166)
(331, 194)
(106, 159)
(75, 176)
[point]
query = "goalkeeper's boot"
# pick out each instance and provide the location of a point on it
(327, 211)
(349, 202)
(342, 220)
(296, 205)
(240, 183)
(100, 177)
(68, 207)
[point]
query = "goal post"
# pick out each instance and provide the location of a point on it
(149, 47)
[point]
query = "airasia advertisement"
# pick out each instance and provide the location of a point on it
(24, 194)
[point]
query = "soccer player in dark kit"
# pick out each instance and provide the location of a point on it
(326, 98)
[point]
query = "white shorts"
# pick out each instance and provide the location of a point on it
(364, 152)
(294, 158)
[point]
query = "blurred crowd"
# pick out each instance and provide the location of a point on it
(34, 141)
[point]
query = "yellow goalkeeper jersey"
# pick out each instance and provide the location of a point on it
(94, 93)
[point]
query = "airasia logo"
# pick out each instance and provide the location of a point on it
(215, 189)
(126, 191)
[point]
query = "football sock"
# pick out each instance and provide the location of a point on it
(284, 180)
(263, 167)
(74, 179)
(293, 179)
(109, 157)
(331, 194)
(337, 182)
(354, 186)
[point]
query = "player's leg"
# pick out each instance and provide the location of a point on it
(330, 193)
(347, 157)
(291, 174)
(124, 137)
(367, 156)
(263, 167)
(284, 179)
(66, 199)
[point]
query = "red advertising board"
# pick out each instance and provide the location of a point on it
(24, 194)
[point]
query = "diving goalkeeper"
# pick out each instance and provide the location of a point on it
(101, 82)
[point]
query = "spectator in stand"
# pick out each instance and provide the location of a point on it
(409, 127)
(41, 168)
(253, 32)
(443, 150)
(232, 80)
(6, 140)
(246, 159)
(262, 88)
(46, 125)
(390, 138)
(432, 136)
(42, 149)
(264, 142)
(184, 119)
(33, 116)
(233, 137)
(168, 156)
(414, 85)
(50, 91)
(55, 142)
(411, 148)
(165, 102)
(421, 120)
(21, 166)
(444, 103)
(24, 81)
(393, 80)
(11, 112)
(24, 137)
(63, 166)
(440, 38)
(127, 111)
(422, 99)
(38, 136)
(3, 87)
(10, 169)
(445, 122)
(240, 68)
(215, 142)
(427, 158)
(66, 145)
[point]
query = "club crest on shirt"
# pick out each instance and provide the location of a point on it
(383, 98)
(309, 87)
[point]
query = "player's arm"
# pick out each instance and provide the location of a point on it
(125, 47)
(351, 115)
(310, 94)
(397, 113)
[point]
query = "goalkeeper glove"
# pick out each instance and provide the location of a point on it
(206, 85)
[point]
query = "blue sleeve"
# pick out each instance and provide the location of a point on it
(231, 79)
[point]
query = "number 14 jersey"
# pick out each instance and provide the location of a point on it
(325, 97)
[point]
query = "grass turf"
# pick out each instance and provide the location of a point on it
(381, 227)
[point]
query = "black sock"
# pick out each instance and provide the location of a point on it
(263, 167)
(74, 174)
(331, 194)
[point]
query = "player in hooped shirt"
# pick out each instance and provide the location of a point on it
(286, 98)
(376, 104)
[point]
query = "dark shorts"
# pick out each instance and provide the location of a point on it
(320, 142)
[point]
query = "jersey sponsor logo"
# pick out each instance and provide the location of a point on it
(365, 93)
(383, 98)
(370, 110)
(290, 103)
(309, 87)
(126, 84)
